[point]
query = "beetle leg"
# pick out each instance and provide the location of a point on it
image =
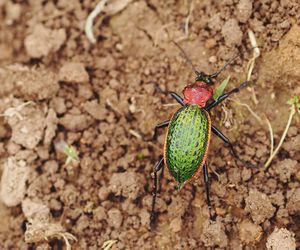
(177, 97)
(157, 167)
(226, 95)
(206, 182)
(218, 133)
(161, 177)
(158, 126)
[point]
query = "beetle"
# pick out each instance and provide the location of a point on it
(188, 134)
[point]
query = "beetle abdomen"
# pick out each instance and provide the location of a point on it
(187, 142)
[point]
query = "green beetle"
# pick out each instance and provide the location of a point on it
(188, 134)
(187, 142)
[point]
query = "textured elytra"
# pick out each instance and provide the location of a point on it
(187, 142)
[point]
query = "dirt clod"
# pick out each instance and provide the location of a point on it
(249, 232)
(43, 41)
(175, 225)
(293, 204)
(232, 33)
(214, 234)
(26, 131)
(28, 83)
(104, 99)
(115, 218)
(126, 184)
(285, 169)
(244, 10)
(281, 239)
(259, 206)
(13, 181)
(73, 72)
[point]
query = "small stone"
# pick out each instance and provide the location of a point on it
(212, 59)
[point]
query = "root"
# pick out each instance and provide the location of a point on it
(295, 107)
(39, 229)
(261, 122)
(16, 111)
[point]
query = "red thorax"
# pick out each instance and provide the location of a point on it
(197, 93)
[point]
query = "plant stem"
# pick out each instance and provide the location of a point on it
(292, 112)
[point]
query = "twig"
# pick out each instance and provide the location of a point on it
(90, 19)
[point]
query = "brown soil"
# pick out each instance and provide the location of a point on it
(104, 100)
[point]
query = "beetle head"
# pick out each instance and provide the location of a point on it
(208, 79)
(197, 93)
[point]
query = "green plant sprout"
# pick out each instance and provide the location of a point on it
(294, 107)
(69, 151)
(108, 244)
(220, 89)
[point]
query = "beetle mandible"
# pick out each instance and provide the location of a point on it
(189, 131)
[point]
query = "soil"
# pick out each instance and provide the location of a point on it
(104, 99)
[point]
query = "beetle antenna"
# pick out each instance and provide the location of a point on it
(187, 58)
(214, 75)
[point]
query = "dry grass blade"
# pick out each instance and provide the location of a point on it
(251, 63)
(108, 244)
